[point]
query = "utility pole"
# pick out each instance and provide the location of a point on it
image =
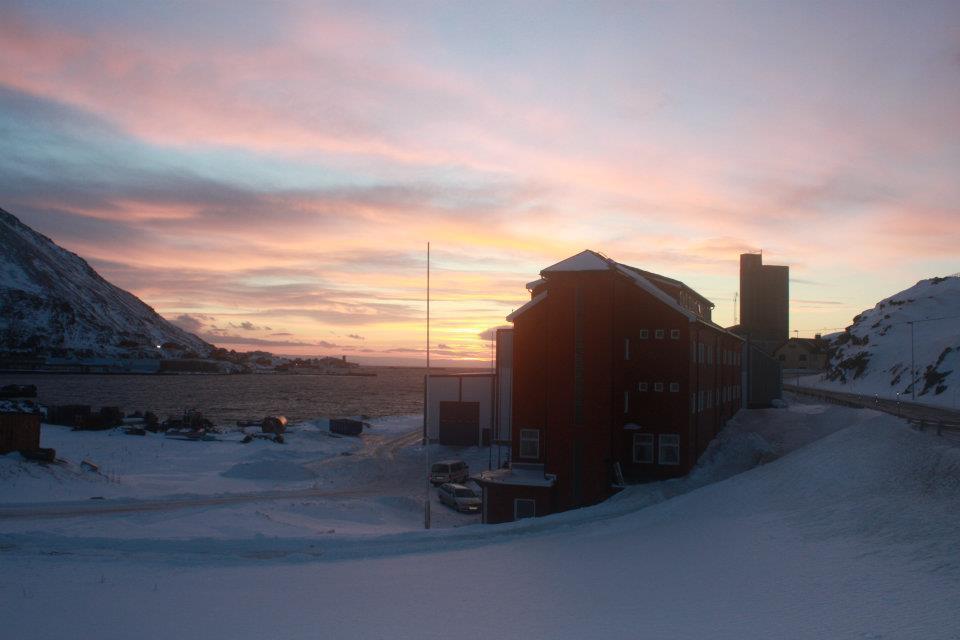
(913, 371)
(426, 408)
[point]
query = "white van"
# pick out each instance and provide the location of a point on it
(449, 471)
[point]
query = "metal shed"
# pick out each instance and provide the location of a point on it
(460, 408)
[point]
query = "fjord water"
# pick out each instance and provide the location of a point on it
(227, 398)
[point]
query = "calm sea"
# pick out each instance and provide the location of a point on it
(227, 398)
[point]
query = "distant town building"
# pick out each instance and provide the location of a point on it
(618, 374)
(764, 302)
(808, 354)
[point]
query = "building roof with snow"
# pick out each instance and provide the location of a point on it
(673, 293)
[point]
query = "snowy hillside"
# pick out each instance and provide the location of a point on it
(873, 355)
(53, 303)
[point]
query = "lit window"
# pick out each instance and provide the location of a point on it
(642, 386)
(658, 386)
(669, 449)
(674, 334)
(529, 443)
(674, 387)
(644, 334)
(643, 448)
(658, 334)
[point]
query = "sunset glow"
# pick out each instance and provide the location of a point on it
(269, 178)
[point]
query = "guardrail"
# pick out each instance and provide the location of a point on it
(941, 425)
(919, 416)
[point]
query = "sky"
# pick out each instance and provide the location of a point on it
(268, 175)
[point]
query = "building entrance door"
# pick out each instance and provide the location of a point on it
(459, 423)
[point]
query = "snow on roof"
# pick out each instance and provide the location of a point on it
(586, 260)
(534, 302)
(535, 283)
(655, 291)
(518, 476)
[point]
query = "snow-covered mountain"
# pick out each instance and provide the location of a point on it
(873, 355)
(52, 303)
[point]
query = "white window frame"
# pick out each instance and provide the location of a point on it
(674, 387)
(658, 334)
(648, 441)
(643, 387)
(672, 442)
(658, 387)
(526, 439)
(516, 508)
(644, 334)
(674, 334)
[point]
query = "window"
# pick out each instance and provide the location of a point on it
(658, 386)
(709, 354)
(669, 449)
(642, 386)
(529, 443)
(626, 348)
(701, 402)
(644, 334)
(658, 334)
(674, 387)
(524, 508)
(626, 401)
(701, 352)
(709, 395)
(674, 334)
(693, 352)
(643, 448)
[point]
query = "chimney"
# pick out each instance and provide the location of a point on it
(344, 358)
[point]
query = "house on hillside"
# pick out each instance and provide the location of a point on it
(618, 374)
(808, 354)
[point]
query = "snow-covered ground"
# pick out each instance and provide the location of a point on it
(167, 488)
(918, 328)
(813, 521)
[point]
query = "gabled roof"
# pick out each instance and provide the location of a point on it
(531, 304)
(592, 261)
(584, 261)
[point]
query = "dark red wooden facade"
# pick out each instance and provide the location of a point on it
(600, 363)
(19, 431)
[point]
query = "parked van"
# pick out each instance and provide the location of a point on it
(449, 471)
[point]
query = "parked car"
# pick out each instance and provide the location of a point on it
(449, 471)
(459, 497)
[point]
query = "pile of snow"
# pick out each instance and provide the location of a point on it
(851, 535)
(873, 355)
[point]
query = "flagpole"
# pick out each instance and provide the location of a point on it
(426, 414)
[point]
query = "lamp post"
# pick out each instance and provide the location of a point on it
(913, 371)
(426, 408)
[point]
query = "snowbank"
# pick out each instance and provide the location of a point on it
(846, 529)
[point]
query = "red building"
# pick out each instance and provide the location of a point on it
(618, 374)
